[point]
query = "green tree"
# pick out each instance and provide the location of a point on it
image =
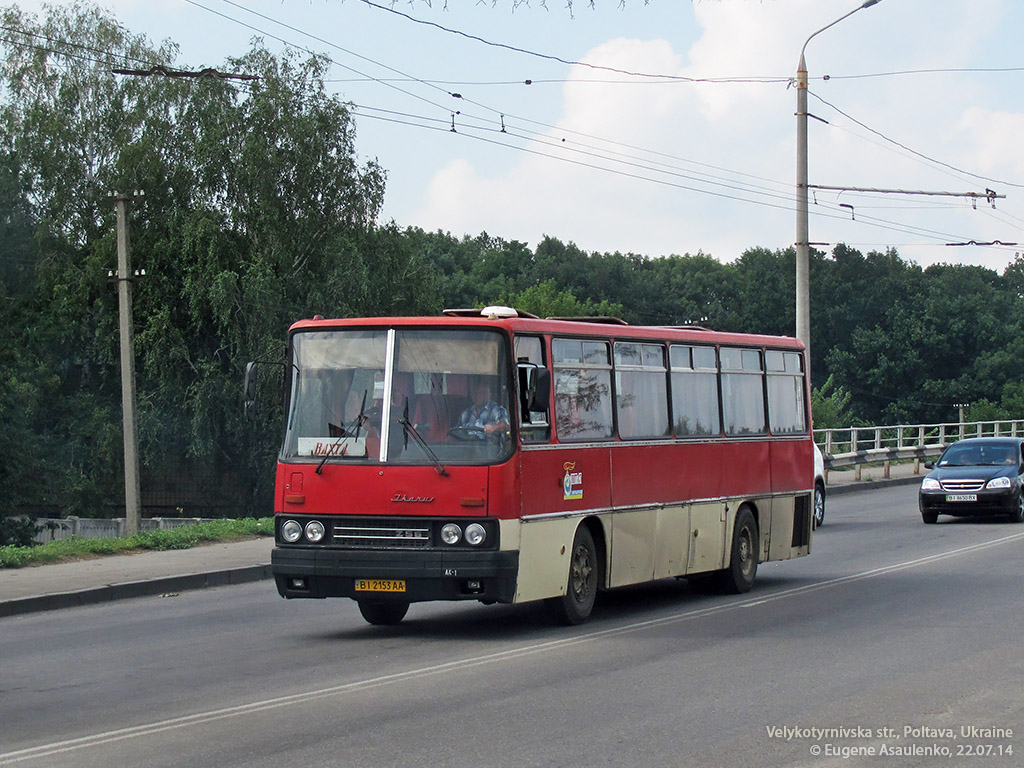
(546, 300)
(830, 406)
(256, 214)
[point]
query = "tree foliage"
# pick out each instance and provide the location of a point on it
(256, 213)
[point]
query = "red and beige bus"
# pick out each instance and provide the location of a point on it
(615, 455)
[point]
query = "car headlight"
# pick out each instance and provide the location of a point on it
(314, 531)
(475, 534)
(451, 533)
(291, 531)
(930, 484)
(999, 482)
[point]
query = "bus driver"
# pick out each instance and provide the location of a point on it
(484, 417)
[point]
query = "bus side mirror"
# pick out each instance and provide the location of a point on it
(541, 394)
(534, 390)
(249, 391)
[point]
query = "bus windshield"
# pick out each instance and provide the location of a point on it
(399, 396)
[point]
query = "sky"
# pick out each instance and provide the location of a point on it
(667, 126)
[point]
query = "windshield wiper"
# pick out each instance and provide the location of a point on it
(359, 423)
(409, 429)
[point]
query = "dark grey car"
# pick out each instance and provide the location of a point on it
(977, 476)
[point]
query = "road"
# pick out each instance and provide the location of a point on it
(889, 624)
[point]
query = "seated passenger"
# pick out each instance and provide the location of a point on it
(484, 417)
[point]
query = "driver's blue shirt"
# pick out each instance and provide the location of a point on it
(490, 413)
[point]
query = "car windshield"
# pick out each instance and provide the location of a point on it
(424, 396)
(994, 454)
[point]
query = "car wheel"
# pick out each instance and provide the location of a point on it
(1017, 516)
(819, 504)
(930, 517)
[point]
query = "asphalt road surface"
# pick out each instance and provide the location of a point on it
(893, 644)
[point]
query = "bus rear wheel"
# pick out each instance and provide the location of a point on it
(739, 576)
(578, 601)
(383, 614)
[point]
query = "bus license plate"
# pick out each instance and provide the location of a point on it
(961, 497)
(380, 585)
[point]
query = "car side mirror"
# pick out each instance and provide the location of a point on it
(929, 465)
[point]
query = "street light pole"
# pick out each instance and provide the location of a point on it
(803, 282)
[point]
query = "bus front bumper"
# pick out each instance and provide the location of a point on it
(319, 572)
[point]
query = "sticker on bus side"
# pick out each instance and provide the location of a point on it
(572, 483)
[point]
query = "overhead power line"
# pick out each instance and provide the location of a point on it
(570, 62)
(913, 151)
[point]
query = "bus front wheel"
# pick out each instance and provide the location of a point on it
(739, 576)
(382, 613)
(578, 601)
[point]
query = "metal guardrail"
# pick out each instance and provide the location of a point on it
(854, 446)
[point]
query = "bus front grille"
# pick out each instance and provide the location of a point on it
(382, 535)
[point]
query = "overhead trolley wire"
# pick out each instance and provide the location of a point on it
(913, 151)
(569, 62)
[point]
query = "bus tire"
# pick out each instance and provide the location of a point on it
(381, 613)
(581, 590)
(739, 576)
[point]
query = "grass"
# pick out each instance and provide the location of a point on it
(185, 537)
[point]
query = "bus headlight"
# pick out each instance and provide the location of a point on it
(451, 533)
(291, 531)
(475, 534)
(314, 531)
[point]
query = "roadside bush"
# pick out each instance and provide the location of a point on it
(16, 532)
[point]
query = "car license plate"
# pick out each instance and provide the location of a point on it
(380, 585)
(950, 497)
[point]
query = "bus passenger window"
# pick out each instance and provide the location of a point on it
(583, 390)
(695, 391)
(786, 404)
(743, 392)
(641, 390)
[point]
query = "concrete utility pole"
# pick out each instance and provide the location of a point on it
(124, 277)
(803, 245)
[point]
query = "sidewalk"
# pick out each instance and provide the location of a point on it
(842, 481)
(65, 585)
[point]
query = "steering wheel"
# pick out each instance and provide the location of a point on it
(468, 433)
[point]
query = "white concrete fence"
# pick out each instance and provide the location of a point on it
(856, 446)
(52, 528)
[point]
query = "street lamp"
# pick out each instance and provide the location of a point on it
(803, 289)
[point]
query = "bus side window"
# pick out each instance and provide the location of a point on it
(583, 390)
(534, 425)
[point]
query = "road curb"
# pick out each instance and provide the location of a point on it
(128, 589)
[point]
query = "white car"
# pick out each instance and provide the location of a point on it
(819, 488)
